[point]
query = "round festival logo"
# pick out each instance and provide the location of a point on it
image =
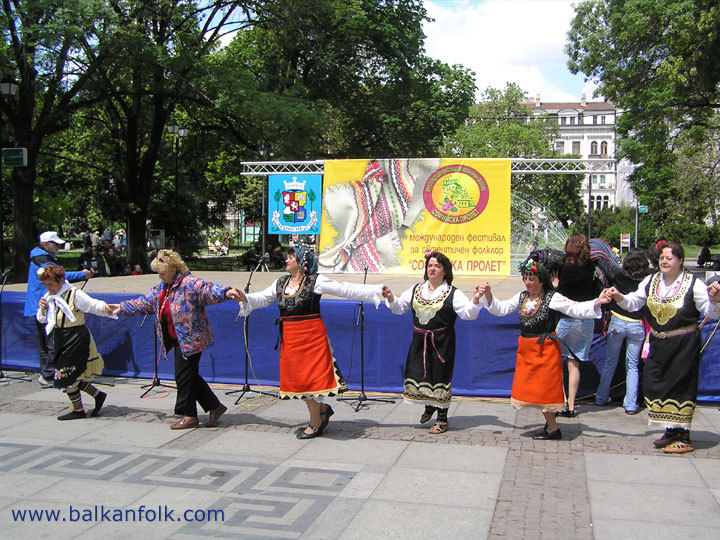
(456, 194)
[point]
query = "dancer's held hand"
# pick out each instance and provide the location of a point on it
(112, 309)
(484, 289)
(43, 304)
(714, 291)
(603, 298)
(235, 294)
(387, 294)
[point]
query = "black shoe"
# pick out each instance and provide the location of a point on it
(545, 436)
(316, 432)
(72, 415)
(327, 413)
(99, 400)
(567, 413)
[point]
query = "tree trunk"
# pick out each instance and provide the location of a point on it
(136, 240)
(24, 238)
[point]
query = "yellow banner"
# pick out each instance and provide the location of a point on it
(383, 215)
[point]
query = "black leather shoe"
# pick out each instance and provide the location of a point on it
(567, 413)
(327, 413)
(316, 432)
(545, 436)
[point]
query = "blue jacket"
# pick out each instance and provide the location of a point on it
(35, 288)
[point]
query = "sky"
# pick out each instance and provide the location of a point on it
(520, 41)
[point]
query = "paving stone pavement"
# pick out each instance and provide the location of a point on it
(376, 472)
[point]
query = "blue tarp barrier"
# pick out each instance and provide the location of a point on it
(484, 362)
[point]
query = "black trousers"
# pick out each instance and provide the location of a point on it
(46, 349)
(191, 387)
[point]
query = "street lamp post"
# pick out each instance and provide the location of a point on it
(264, 152)
(7, 88)
(179, 132)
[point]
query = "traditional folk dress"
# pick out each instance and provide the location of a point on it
(76, 356)
(670, 378)
(431, 357)
(538, 380)
(307, 366)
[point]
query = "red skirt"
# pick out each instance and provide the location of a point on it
(538, 380)
(307, 366)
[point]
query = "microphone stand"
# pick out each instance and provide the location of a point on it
(155, 380)
(246, 387)
(4, 277)
(358, 402)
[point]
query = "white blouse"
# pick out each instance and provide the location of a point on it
(635, 300)
(323, 285)
(462, 305)
(558, 302)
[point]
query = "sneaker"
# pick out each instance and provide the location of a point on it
(44, 382)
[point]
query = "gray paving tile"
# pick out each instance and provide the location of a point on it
(659, 503)
(709, 470)
(130, 434)
(454, 488)
(651, 470)
(253, 444)
(364, 451)
(639, 529)
(478, 459)
(403, 520)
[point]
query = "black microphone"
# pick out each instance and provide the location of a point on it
(6, 273)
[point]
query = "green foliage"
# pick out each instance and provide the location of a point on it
(659, 62)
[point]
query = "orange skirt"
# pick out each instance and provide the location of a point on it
(538, 380)
(307, 366)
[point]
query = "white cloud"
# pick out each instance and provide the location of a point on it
(503, 41)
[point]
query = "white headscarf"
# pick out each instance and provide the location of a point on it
(55, 302)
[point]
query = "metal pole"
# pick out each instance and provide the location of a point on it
(637, 221)
(263, 213)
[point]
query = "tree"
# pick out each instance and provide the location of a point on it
(659, 62)
(52, 49)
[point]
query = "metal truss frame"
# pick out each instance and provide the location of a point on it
(519, 166)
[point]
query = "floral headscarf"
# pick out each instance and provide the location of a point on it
(536, 267)
(306, 258)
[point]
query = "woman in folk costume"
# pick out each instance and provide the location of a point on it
(435, 305)
(672, 301)
(538, 380)
(307, 368)
(62, 309)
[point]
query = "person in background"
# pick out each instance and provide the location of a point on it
(625, 327)
(182, 325)
(137, 270)
(576, 283)
(672, 301)
(62, 312)
(45, 253)
(435, 306)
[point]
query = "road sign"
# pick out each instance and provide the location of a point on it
(14, 157)
(642, 209)
(624, 240)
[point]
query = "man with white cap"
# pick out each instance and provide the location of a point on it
(41, 255)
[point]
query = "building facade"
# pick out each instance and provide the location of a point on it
(587, 130)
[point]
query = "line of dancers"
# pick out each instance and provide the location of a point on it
(670, 300)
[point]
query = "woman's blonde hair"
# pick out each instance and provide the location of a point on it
(167, 259)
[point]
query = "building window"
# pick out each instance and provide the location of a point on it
(602, 180)
(594, 179)
(606, 201)
(563, 120)
(572, 120)
(576, 147)
(594, 119)
(602, 119)
(560, 147)
(593, 148)
(603, 148)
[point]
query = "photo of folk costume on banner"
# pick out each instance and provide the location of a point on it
(435, 306)
(538, 380)
(372, 215)
(76, 358)
(308, 369)
(672, 301)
